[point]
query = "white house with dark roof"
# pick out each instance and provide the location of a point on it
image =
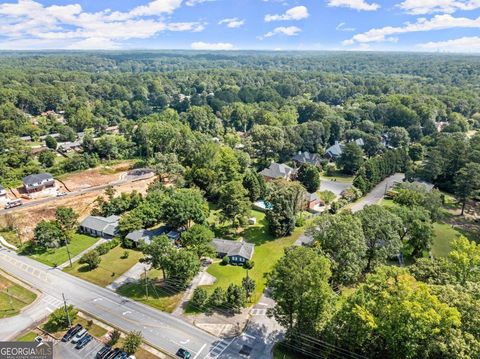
(38, 182)
(96, 226)
(237, 252)
(278, 170)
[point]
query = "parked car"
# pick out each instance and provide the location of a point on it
(71, 332)
(14, 203)
(121, 355)
(184, 354)
(79, 335)
(61, 194)
(84, 341)
(112, 354)
(102, 353)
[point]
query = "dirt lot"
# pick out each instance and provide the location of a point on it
(95, 176)
(25, 219)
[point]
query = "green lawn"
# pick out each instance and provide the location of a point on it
(52, 257)
(444, 234)
(13, 297)
(111, 266)
(164, 298)
(11, 237)
(27, 337)
(337, 176)
(267, 252)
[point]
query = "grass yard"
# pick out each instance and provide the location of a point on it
(111, 266)
(94, 329)
(52, 257)
(13, 297)
(267, 253)
(162, 298)
(337, 176)
(11, 237)
(444, 234)
(27, 337)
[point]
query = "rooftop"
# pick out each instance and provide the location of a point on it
(146, 235)
(37, 178)
(277, 170)
(106, 225)
(233, 248)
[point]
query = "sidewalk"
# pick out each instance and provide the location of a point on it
(4, 243)
(79, 255)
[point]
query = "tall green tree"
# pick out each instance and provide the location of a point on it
(309, 176)
(234, 203)
(184, 207)
(381, 229)
(341, 239)
(159, 253)
(467, 183)
(299, 285)
(351, 158)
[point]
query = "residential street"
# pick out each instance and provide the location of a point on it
(378, 192)
(160, 329)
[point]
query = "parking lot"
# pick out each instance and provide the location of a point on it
(66, 350)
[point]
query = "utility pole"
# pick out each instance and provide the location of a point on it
(66, 310)
(68, 252)
(146, 282)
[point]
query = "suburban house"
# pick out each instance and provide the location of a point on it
(75, 146)
(38, 182)
(3, 193)
(145, 235)
(307, 158)
(96, 226)
(278, 170)
(237, 252)
(313, 203)
(336, 149)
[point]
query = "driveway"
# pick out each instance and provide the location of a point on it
(334, 186)
(378, 192)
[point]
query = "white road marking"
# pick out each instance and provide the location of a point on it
(127, 312)
(248, 336)
(266, 304)
(201, 349)
(185, 342)
(50, 310)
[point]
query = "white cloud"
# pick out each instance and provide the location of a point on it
(421, 7)
(282, 30)
(438, 22)
(342, 27)
(295, 13)
(200, 45)
(354, 4)
(196, 2)
(69, 26)
(463, 44)
(232, 23)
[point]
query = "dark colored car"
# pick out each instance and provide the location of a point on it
(102, 353)
(71, 332)
(182, 353)
(121, 355)
(84, 341)
(113, 353)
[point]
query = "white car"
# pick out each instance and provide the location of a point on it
(61, 194)
(79, 335)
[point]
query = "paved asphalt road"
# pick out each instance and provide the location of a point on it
(158, 328)
(76, 193)
(378, 192)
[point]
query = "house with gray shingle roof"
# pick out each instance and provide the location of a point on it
(334, 151)
(307, 158)
(96, 226)
(237, 252)
(278, 170)
(38, 182)
(145, 235)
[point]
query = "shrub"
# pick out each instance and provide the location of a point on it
(125, 254)
(104, 248)
(225, 260)
(249, 264)
(92, 259)
(199, 298)
(132, 342)
(58, 320)
(114, 337)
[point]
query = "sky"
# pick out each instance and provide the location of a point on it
(352, 25)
